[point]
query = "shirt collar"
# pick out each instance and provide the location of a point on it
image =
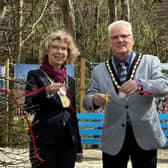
(127, 60)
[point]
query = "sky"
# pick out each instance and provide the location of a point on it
(21, 70)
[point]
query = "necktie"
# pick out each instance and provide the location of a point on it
(123, 72)
(123, 77)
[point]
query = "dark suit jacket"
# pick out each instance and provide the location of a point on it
(49, 113)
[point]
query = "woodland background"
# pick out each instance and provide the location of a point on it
(24, 23)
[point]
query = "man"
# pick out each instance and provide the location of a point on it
(131, 126)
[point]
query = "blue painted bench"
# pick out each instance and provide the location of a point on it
(90, 126)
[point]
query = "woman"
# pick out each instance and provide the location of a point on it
(55, 123)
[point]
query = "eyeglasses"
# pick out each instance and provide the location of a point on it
(123, 36)
(56, 47)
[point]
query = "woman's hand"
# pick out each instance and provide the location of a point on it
(79, 157)
(53, 87)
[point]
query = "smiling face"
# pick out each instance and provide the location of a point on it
(57, 53)
(121, 41)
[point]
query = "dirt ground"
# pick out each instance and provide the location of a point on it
(92, 159)
(19, 158)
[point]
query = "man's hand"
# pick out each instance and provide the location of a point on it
(100, 99)
(129, 87)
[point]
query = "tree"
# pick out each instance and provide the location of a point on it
(125, 10)
(19, 30)
(112, 10)
(68, 16)
(3, 9)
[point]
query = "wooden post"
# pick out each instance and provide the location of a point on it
(6, 114)
(82, 82)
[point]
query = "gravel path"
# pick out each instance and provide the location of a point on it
(18, 158)
(92, 159)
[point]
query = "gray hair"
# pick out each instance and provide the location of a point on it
(120, 22)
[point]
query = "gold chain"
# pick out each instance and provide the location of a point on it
(132, 72)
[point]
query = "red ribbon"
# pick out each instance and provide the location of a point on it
(4, 90)
(70, 98)
(147, 92)
(32, 135)
(27, 120)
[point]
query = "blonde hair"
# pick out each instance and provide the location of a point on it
(59, 35)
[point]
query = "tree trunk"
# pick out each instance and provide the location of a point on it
(125, 10)
(68, 16)
(3, 9)
(112, 10)
(19, 8)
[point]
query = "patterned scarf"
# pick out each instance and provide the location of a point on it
(57, 75)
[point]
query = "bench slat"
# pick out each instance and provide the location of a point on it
(90, 125)
(90, 131)
(91, 116)
(91, 141)
(163, 116)
(166, 132)
(164, 125)
(100, 116)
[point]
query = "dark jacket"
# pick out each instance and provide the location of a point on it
(52, 124)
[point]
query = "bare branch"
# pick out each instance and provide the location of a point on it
(35, 24)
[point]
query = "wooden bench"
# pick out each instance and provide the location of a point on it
(90, 125)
